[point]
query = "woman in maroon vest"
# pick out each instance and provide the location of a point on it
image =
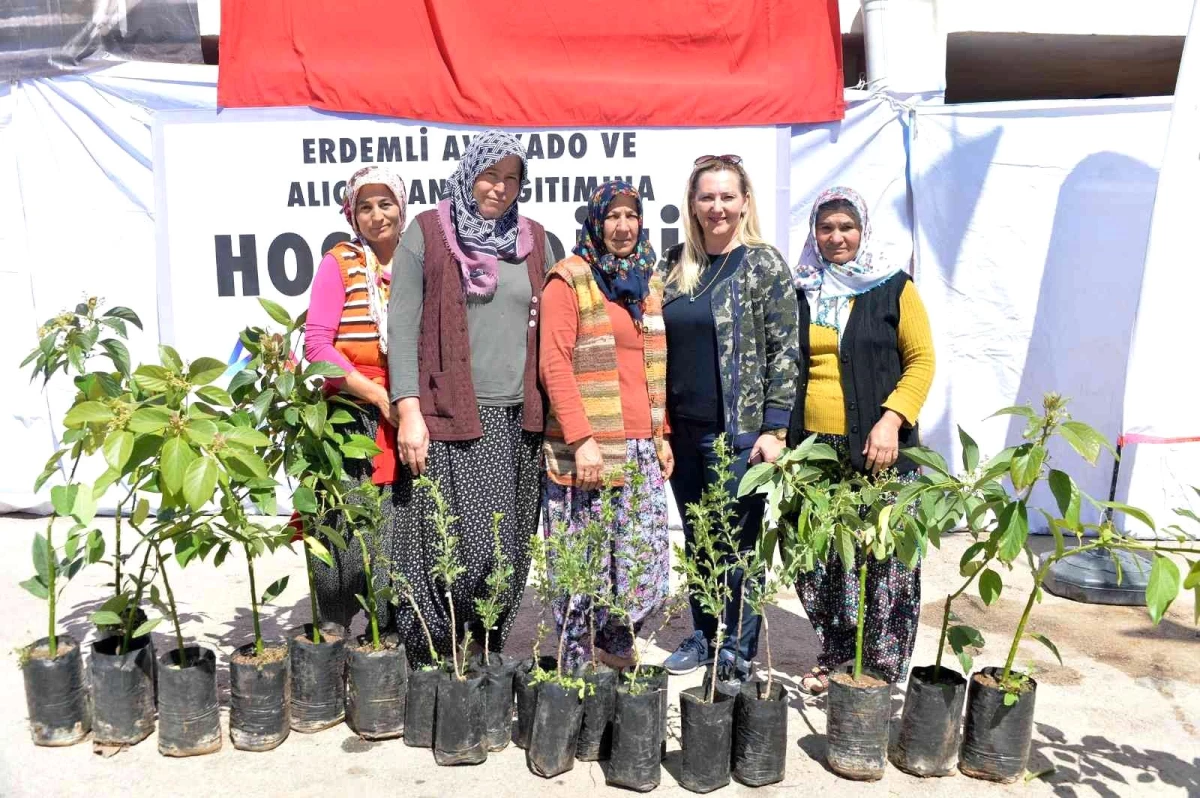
(462, 357)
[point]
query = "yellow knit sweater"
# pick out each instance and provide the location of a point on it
(825, 404)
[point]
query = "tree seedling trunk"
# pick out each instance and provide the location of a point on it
(183, 663)
(862, 605)
(258, 638)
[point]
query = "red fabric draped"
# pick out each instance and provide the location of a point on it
(667, 63)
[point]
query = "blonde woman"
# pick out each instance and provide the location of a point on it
(731, 318)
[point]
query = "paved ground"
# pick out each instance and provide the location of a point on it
(1121, 717)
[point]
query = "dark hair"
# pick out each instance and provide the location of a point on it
(839, 206)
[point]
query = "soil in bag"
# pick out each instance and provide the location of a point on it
(996, 737)
(760, 738)
(656, 678)
(499, 678)
(458, 737)
(420, 707)
(599, 702)
(377, 689)
(931, 725)
(59, 710)
(122, 691)
(857, 727)
(526, 695)
(555, 734)
(318, 678)
(188, 721)
(636, 761)
(260, 695)
(707, 739)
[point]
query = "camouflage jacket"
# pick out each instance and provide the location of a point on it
(757, 320)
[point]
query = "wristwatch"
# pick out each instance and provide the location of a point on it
(779, 434)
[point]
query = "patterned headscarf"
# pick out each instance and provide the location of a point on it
(829, 287)
(379, 279)
(626, 280)
(481, 242)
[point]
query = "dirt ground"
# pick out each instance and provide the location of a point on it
(1120, 717)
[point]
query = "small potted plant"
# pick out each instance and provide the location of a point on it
(498, 669)
(459, 737)
(421, 701)
(706, 714)
(532, 671)
(377, 677)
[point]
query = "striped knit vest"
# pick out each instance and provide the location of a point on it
(595, 364)
(357, 336)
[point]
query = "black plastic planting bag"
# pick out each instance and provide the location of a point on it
(636, 761)
(526, 695)
(707, 739)
(260, 694)
(122, 691)
(188, 721)
(498, 699)
(656, 678)
(599, 702)
(996, 737)
(318, 678)
(59, 710)
(458, 737)
(376, 691)
(857, 728)
(760, 738)
(421, 706)
(556, 719)
(931, 726)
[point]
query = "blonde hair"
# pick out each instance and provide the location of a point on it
(686, 272)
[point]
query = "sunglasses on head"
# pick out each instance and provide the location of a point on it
(732, 160)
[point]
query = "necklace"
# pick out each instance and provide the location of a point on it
(693, 296)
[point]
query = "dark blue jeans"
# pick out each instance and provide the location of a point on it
(692, 445)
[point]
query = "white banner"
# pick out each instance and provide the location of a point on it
(248, 201)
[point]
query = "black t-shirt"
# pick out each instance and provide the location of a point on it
(693, 373)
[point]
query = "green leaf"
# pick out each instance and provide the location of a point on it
(990, 586)
(1011, 699)
(42, 556)
(199, 481)
(1026, 466)
(118, 353)
(970, 451)
(84, 509)
(200, 431)
(171, 359)
(1084, 440)
(359, 447)
(140, 512)
(241, 379)
(87, 413)
(276, 312)
(63, 498)
(286, 383)
(117, 448)
(928, 458)
(149, 420)
(176, 457)
(204, 370)
(119, 312)
(147, 627)
(95, 546)
(1162, 587)
(272, 592)
(998, 464)
(756, 475)
(318, 550)
(1192, 580)
(244, 464)
(215, 396)
(36, 587)
(1132, 512)
(315, 416)
(340, 416)
(245, 436)
(152, 379)
(1017, 410)
(1045, 641)
(1013, 528)
(304, 500)
(1066, 494)
(323, 368)
(262, 403)
(960, 638)
(105, 618)
(845, 547)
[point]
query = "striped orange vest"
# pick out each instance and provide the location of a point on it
(357, 336)
(595, 364)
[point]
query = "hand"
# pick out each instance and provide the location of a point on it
(589, 464)
(666, 459)
(387, 411)
(412, 436)
(883, 447)
(766, 449)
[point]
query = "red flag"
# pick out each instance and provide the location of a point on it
(665, 63)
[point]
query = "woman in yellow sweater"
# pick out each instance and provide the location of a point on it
(866, 364)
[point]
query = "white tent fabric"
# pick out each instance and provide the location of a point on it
(1031, 222)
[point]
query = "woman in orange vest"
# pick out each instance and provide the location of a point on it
(347, 313)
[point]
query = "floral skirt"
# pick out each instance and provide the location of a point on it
(574, 508)
(830, 596)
